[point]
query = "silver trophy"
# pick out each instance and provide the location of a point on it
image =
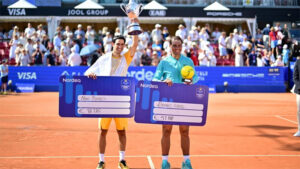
(133, 10)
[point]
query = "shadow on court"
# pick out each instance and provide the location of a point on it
(275, 133)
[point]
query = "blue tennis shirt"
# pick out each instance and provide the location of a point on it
(170, 68)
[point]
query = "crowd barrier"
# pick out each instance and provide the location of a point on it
(219, 79)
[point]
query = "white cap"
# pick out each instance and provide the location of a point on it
(79, 26)
(157, 25)
(235, 30)
(268, 25)
(194, 27)
(285, 46)
(180, 26)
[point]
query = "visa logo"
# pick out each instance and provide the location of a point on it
(27, 75)
(16, 12)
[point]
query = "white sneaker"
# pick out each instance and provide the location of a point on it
(297, 134)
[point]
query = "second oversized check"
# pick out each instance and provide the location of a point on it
(180, 104)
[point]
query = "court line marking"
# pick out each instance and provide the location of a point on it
(286, 119)
(145, 156)
(150, 162)
(38, 115)
(31, 115)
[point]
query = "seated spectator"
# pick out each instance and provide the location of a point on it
(22, 38)
(157, 47)
(45, 41)
(203, 58)
(38, 56)
(41, 47)
(62, 60)
(29, 48)
(67, 33)
(155, 62)
(40, 32)
(117, 31)
(165, 33)
(90, 35)
(65, 48)
(278, 61)
(145, 59)
(24, 59)
(51, 57)
(260, 61)
(29, 31)
(259, 44)
(252, 59)
(167, 46)
(194, 53)
(18, 51)
(216, 35)
(212, 59)
(74, 58)
(75, 46)
(80, 32)
(239, 56)
(181, 32)
(107, 42)
(13, 45)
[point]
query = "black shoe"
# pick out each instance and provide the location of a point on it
(101, 165)
(122, 165)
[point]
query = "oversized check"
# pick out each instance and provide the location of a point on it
(80, 96)
(180, 104)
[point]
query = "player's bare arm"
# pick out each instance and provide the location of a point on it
(135, 40)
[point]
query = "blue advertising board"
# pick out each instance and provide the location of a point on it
(238, 79)
(158, 103)
(80, 96)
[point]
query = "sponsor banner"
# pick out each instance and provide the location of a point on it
(158, 103)
(43, 76)
(25, 87)
(80, 96)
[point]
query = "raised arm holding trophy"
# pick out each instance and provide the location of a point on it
(133, 10)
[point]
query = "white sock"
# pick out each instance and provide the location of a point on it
(122, 155)
(101, 156)
(165, 157)
(186, 157)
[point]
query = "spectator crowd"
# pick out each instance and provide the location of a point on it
(272, 46)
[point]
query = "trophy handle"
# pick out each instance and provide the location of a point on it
(122, 6)
(141, 8)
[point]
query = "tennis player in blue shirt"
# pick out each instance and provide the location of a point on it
(168, 71)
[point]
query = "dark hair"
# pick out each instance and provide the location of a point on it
(119, 37)
(176, 38)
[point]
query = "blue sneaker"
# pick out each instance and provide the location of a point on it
(165, 165)
(186, 165)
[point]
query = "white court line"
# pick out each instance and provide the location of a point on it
(286, 119)
(150, 162)
(145, 156)
(30, 115)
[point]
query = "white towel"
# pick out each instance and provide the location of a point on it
(102, 67)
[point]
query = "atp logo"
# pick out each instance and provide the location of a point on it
(125, 84)
(200, 92)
